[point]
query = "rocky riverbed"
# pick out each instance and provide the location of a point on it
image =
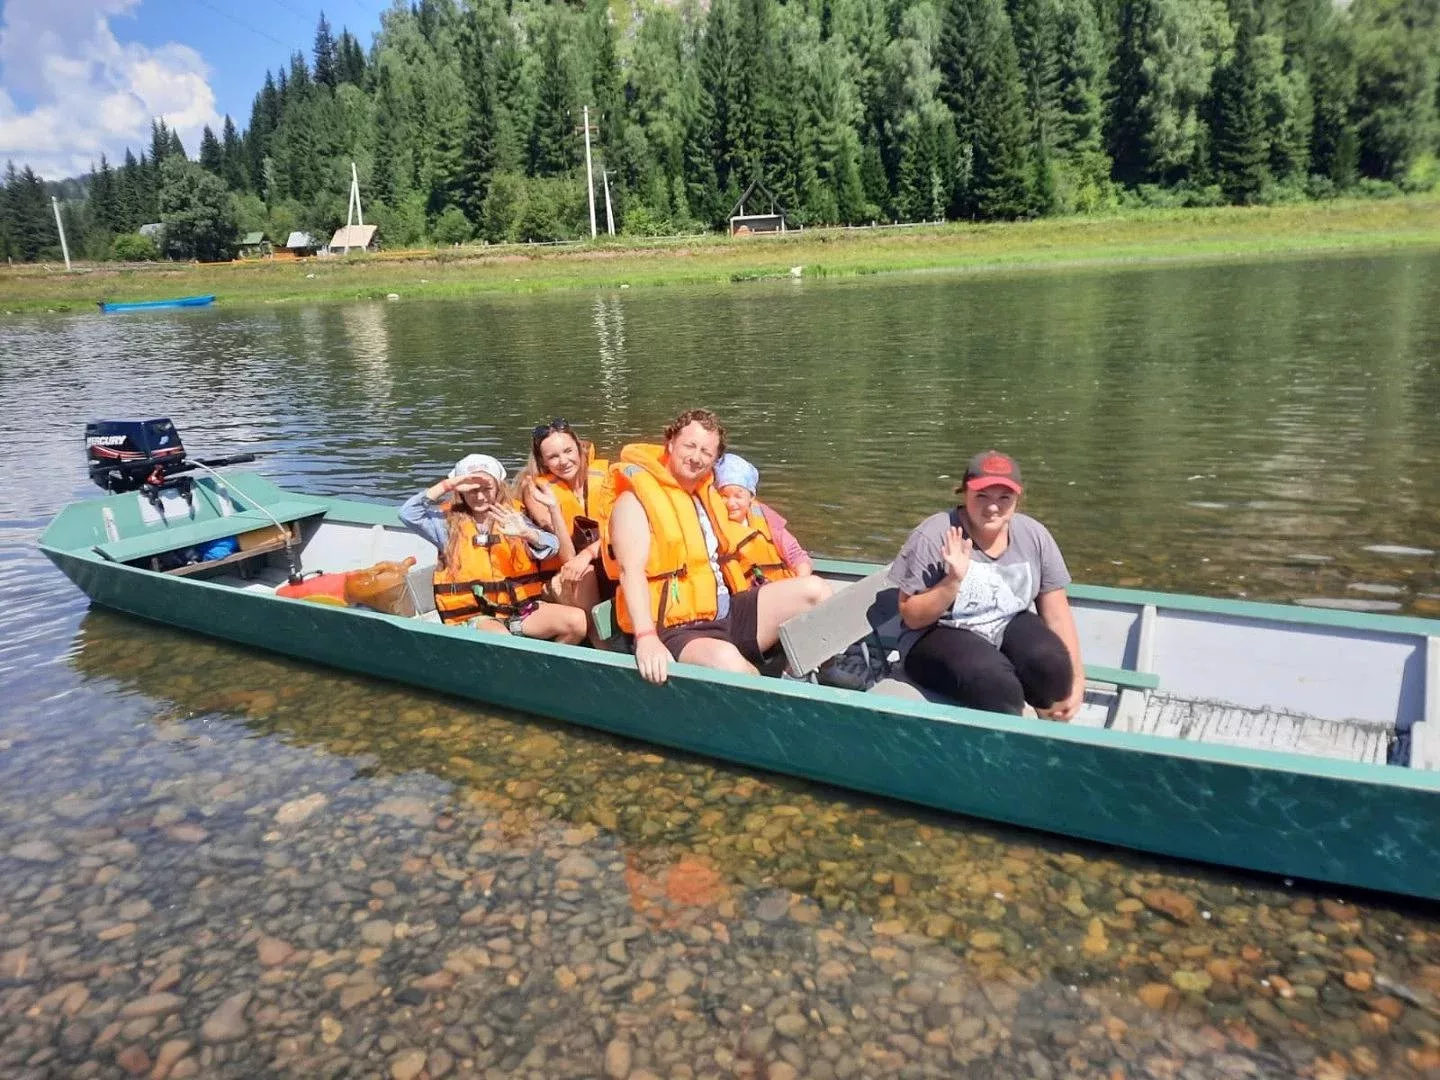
(252, 868)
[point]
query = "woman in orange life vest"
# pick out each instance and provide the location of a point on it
(565, 488)
(666, 532)
(488, 574)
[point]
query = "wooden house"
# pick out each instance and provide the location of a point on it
(350, 238)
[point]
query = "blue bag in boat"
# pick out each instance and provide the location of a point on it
(217, 549)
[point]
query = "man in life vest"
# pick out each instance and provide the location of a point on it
(663, 541)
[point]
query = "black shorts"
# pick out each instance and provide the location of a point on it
(739, 627)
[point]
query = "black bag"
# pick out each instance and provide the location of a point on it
(586, 531)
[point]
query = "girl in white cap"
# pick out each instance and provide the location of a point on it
(488, 574)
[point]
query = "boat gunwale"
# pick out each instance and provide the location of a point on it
(1210, 754)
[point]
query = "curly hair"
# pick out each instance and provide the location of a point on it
(705, 418)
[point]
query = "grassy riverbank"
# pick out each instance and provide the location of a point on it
(1137, 236)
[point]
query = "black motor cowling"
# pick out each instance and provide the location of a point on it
(125, 455)
(143, 455)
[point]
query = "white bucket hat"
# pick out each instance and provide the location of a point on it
(478, 463)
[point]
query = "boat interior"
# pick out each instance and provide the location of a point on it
(1181, 667)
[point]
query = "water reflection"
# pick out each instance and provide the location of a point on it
(369, 342)
(609, 322)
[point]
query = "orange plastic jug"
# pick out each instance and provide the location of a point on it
(381, 587)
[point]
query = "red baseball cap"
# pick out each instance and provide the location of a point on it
(991, 468)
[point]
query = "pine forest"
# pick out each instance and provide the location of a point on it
(464, 120)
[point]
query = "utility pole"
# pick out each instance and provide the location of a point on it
(589, 172)
(355, 194)
(353, 209)
(609, 217)
(64, 247)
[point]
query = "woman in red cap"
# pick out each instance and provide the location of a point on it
(968, 579)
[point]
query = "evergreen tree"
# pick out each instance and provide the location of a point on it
(387, 177)
(479, 30)
(129, 199)
(233, 163)
(1164, 62)
(1080, 79)
(212, 155)
(176, 149)
(264, 119)
(1035, 27)
(104, 204)
(32, 223)
(351, 60)
(1287, 108)
(552, 136)
(1240, 138)
(606, 101)
(160, 146)
(980, 82)
(7, 243)
(326, 55)
(1334, 144)
(1395, 92)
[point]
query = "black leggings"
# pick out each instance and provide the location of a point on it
(1031, 664)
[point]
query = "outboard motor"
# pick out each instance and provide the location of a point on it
(126, 455)
(143, 456)
(147, 456)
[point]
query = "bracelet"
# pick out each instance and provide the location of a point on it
(652, 632)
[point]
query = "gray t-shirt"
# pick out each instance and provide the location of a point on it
(994, 590)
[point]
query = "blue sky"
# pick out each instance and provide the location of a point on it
(78, 77)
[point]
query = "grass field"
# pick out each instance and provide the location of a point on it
(1135, 236)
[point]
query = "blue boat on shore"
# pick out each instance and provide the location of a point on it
(152, 305)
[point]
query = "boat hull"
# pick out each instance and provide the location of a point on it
(119, 307)
(1364, 825)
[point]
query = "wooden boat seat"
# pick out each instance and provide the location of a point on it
(243, 556)
(1220, 723)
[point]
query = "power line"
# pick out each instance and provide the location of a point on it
(293, 10)
(241, 23)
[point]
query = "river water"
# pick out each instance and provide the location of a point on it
(215, 862)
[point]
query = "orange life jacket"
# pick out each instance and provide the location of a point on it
(596, 504)
(683, 587)
(754, 559)
(495, 576)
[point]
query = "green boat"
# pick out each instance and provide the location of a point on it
(1284, 739)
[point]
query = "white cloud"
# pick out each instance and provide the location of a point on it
(91, 92)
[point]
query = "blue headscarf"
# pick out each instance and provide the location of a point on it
(734, 469)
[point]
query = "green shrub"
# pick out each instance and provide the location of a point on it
(504, 206)
(452, 227)
(132, 247)
(1423, 175)
(640, 220)
(1370, 188)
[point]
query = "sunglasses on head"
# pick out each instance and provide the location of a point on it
(539, 431)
